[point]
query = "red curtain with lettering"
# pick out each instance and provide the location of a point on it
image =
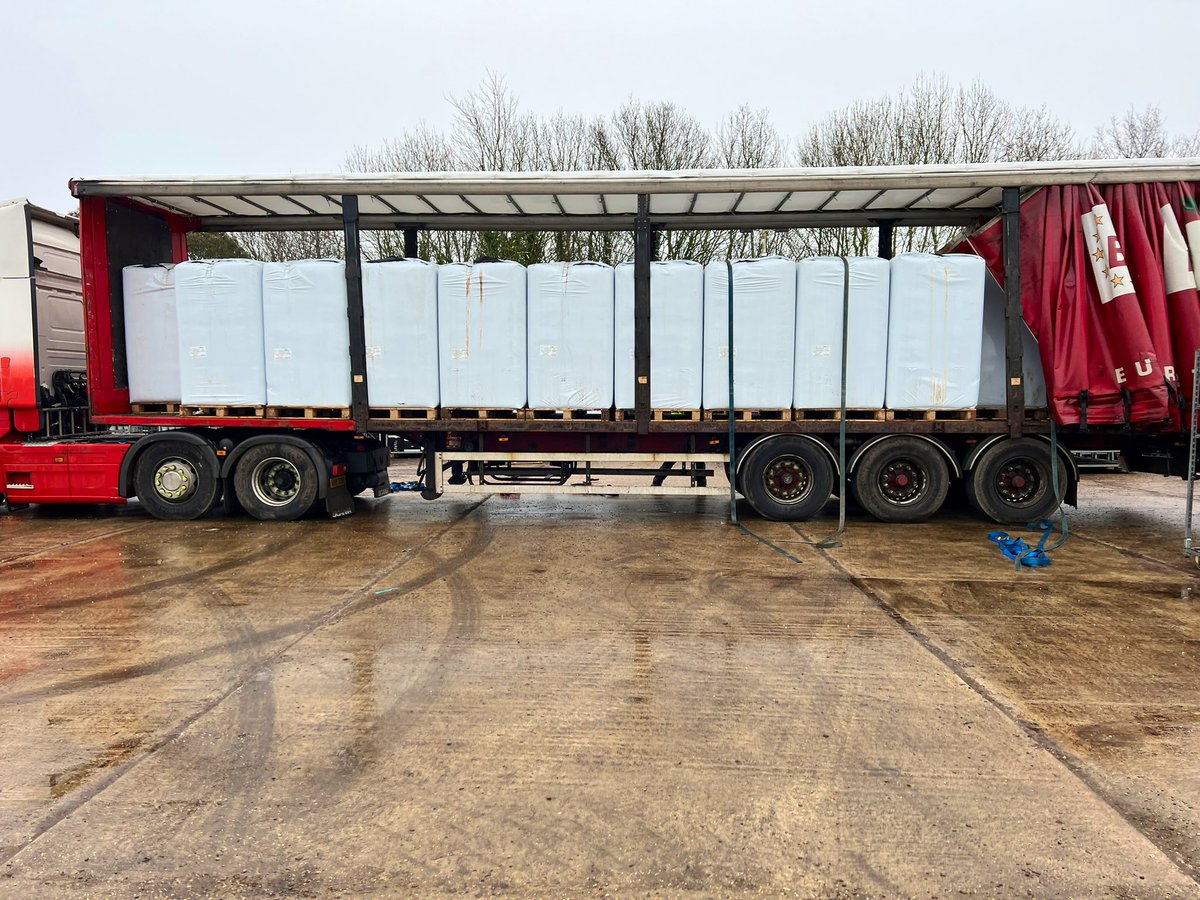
(1108, 287)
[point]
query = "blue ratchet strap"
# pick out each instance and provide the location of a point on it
(1020, 552)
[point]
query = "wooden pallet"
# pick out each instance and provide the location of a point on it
(171, 409)
(481, 412)
(1000, 413)
(570, 415)
(835, 415)
(932, 415)
(748, 415)
(241, 412)
(402, 412)
(660, 415)
(308, 412)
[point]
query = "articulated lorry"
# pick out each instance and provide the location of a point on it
(1090, 258)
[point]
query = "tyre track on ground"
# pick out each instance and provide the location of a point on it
(7, 563)
(350, 603)
(222, 567)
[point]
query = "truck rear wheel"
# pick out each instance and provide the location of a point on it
(176, 480)
(787, 478)
(1011, 483)
(275, 482)
(901, 479)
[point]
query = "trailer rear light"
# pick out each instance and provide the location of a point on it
(453, 442)
(339, 469)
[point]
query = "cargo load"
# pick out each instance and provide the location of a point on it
(220, 311)
(993, 369)
(151, 333)
(306, 333)
(820, 284)
(764, 333)
(570, 336)
(481, 335)
(400, 316)
(935, 331)
(676, 335)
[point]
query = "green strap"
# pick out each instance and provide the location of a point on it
(732, 451)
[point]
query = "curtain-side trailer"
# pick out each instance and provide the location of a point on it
(277, 464)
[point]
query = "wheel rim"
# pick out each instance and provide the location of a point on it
(1018, 482)
(276, 481)
(788, 479)
(175, 480)
(903, 482)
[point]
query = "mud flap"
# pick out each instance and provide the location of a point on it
(338, 501)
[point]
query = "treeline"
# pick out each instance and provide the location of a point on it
(931, 121)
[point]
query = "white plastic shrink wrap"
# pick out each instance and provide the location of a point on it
(935, 332)
(481, 334)
(676, 335)
(221, 332)
(400, 313)
(151, 333)
(570, 336)
(307, 333)
(994, 366)
(820, 283)
(764, 333)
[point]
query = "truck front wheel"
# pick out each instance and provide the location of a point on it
(275, 482)
(176, 480)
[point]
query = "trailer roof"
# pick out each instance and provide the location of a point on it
(698, 198)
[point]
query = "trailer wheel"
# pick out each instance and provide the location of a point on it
(275, 482)
(901, 479)
(176, 480)
(1011, 483)
(787, 479)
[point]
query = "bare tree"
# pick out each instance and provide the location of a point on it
(1143, 133)
(277, 246)
(930, 122)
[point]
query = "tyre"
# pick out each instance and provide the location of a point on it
(176, 480)
(901, 479)
(787, 478)
(276, 482)
(1011, 483)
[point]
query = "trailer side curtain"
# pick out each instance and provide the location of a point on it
(1108, 287)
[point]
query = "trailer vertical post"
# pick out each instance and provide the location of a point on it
(642, 252)
(410, 243)
(886, 226)
(354, 310)
(1014, 368)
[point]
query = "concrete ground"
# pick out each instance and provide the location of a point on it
(568, 696)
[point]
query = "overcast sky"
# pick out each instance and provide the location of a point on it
(252, 87)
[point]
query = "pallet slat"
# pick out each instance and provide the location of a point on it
(932, 415)
(749, 415)
(482, 412)
(159, 408)
(835, 415)
(570, 415)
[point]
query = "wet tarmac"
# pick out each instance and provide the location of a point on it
(574, 696)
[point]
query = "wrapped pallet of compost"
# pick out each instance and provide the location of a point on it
(307, 333)
(481, 335)
(400, 314)
(935, 331)
(994, 365)
(676, 335)
(820, 286)
(764, 333)
(220, 311)
(570, 336)
(151, 333)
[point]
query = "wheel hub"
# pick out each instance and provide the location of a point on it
(788, 479)
(275, 481)
(1017, 482)
(902, 482)
(175, 480)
